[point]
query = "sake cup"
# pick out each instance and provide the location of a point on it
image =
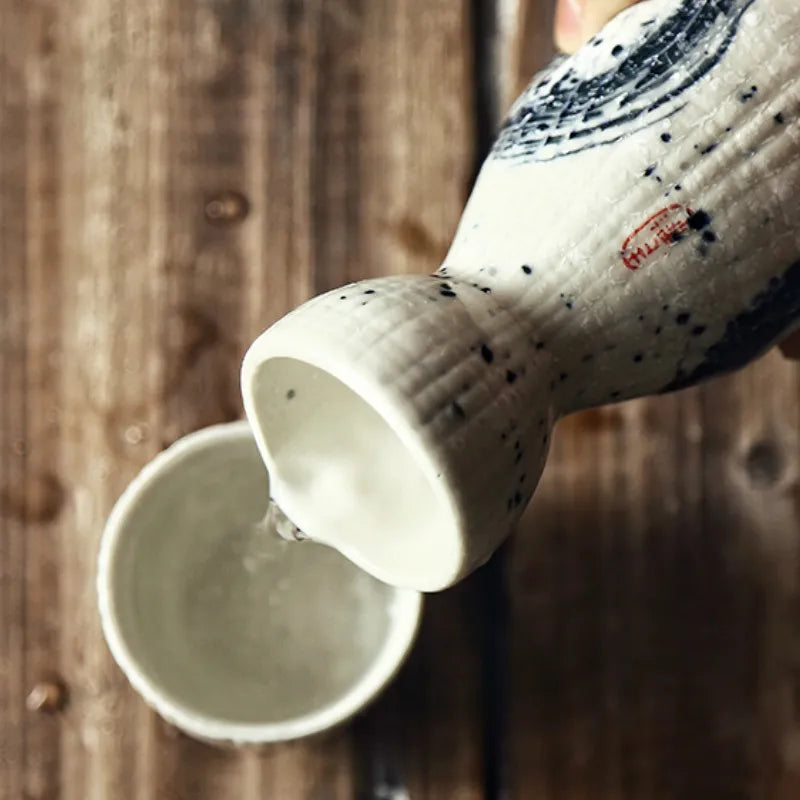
(230, 633)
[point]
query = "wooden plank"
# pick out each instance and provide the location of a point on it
(175, 176)
(45, 491)
(13, 319)
(654, 584)
(111, 252)
(752, 508)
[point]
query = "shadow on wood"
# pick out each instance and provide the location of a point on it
(646, 657)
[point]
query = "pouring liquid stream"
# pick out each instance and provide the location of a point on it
(276, 523)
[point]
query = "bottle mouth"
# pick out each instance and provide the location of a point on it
(348, 467)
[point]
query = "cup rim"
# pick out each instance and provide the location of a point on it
(404, 624)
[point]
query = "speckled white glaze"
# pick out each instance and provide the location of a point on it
(634, 230)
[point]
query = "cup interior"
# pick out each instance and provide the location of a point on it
(229, 631)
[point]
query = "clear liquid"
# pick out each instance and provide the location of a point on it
(281, 629)
(275, 522)
(228, 617)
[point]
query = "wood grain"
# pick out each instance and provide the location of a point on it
(175, 176)
(654, 583)
(12, 415)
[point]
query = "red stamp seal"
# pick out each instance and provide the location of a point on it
(665, 227)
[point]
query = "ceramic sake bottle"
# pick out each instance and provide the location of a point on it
(634, 230)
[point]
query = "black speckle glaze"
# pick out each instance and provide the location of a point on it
(771, 312)
(527, 269)
(565, 112)
(487, 354)
(748, 95)
(699, 219)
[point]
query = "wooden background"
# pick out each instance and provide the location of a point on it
(176, 174)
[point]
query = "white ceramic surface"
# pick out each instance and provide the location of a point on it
(228, 632)
(633, 231)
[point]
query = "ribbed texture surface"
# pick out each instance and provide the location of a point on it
(461, 370)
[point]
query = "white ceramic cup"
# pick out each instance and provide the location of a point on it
(229, 633)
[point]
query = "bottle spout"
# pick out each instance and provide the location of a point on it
(403, 422)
